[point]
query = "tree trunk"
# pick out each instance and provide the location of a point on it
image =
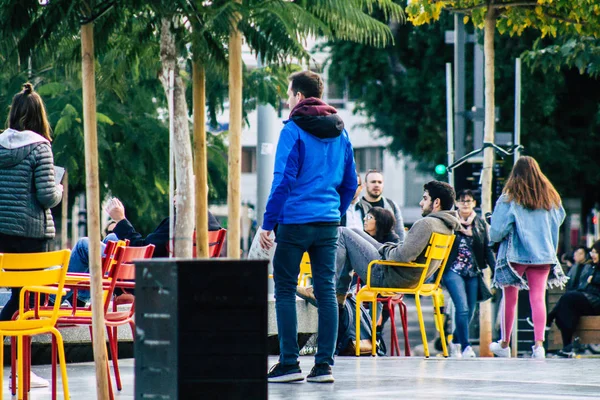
(182, 147)
(200, 161)
(93, 205)
(485, 309)
(235, 144)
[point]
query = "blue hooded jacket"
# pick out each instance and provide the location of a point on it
(315, 176)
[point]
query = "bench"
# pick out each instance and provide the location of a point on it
(588, 329)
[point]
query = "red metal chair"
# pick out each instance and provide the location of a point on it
(391, 303)
(122, 275)
(215, 243)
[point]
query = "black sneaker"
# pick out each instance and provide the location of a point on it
(280, 373)
(320, 373)
(566, 352)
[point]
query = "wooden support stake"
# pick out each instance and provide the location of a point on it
(93, 206)
(200, 160)
(235, 141)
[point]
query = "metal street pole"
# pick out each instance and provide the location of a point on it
(449, 122)
(459, 85)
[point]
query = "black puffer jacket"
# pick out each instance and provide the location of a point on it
(27, 186)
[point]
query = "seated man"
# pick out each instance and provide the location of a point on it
(123, 229)
(354, 252)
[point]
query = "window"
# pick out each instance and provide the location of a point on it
(248, 160)
(367, 158)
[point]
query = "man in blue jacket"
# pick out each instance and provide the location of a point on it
(313, 184)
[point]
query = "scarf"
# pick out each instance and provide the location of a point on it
(466, 225)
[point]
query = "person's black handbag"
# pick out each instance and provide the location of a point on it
(483, 291)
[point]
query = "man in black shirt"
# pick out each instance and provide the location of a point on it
(374, 198)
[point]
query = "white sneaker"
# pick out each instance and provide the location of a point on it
(468, 352)
(497, 349)
(538, 352)
(34, 380)
(455, 350)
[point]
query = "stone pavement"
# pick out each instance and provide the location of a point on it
(439, 378)
(396, 378)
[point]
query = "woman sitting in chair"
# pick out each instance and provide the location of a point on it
(576, 303)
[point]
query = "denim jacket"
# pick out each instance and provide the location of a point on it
(525, 237)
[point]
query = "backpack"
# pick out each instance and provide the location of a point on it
(346, 340)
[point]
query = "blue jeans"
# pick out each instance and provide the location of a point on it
(356, 249)
(292, 241)
(80, 262)
(463, 290)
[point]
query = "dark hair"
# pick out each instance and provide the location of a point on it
(372, 171)
(308, 83)
(596, 246)
(442, 191)
(586, 251)
(27, 112)
(384, 222)
(529, 187)
(106, 231)
(465, 193)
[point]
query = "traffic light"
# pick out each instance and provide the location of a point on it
(440, 169)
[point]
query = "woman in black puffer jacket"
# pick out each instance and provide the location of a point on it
(27, 186)
(576, 303)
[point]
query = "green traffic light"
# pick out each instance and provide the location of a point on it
(440, 169)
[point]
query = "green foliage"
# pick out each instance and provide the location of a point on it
(401, 89)
(402, 92)
(582, 53)
(550, 17)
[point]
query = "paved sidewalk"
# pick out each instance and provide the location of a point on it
(446, 379)
(395, 378)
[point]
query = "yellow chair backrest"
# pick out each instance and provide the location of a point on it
(36, 270)
(305, 270)
(33, 269)
(438, 251)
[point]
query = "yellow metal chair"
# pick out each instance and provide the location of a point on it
(35, 273)
(305, 271)
(438, 250)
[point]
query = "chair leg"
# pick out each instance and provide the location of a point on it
(404, 319)
(2, 364)
(373, 328)
(357, 331)
(13, 365)
(53, 367)
(422, 325)
(20, 367)
(113, 354)
(394, 333)
(440, 322)
(63, 365)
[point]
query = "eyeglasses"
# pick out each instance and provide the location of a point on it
(369, 217)
(465, 201)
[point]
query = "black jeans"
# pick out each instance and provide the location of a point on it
(18, 244)
(569, 309)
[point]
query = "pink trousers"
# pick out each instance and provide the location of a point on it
(537, 278)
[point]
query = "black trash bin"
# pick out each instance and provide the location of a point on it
(201, 329)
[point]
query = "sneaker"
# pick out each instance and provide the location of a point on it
(566, 352)
(530, 322)
(35, 381)
(498, 351)
(280, 373)
(455, 350)
(468, 352)
(538, 352)
(320, 373)
(307, 293)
